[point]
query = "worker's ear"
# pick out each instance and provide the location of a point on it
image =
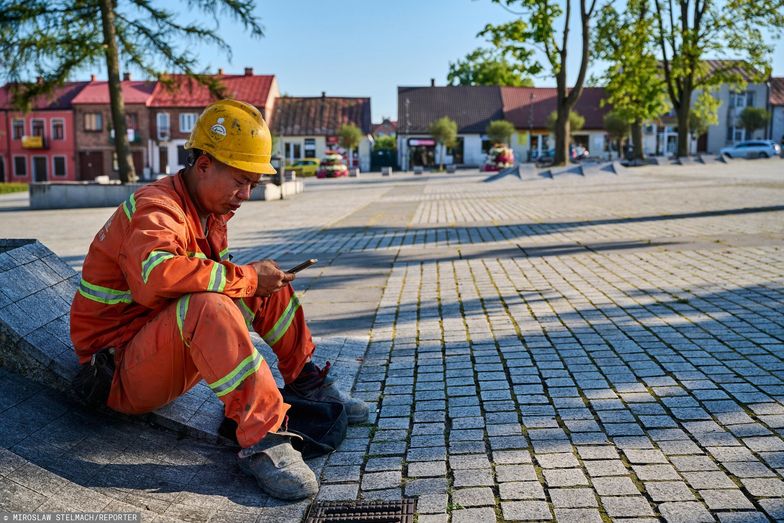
(203, 163)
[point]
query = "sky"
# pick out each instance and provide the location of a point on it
(365, 47)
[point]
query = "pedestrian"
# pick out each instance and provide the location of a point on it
(161, 301)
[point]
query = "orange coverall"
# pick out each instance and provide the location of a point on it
(175, 310)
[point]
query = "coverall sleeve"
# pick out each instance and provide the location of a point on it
(156, 264)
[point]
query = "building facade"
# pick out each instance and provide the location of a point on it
(175, 107)
(94, 133)
(307, 127)
(39, 146)
(776, 108)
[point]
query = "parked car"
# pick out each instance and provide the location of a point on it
(304, 167)
(752, 149)
(332, 166)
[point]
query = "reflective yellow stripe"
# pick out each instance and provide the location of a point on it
(154, 259)
(217, 278)
(233, 379)
(247, 313)
(199, 255)
(182, 311)
(103, 294)
(224, 254)
(282, 325)
(129, 206)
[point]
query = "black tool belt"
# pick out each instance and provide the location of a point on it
(94, 381)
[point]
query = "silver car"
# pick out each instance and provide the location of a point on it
(752, 149)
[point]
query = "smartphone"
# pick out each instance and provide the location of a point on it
(303, 265)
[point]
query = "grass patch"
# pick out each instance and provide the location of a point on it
(10, 187)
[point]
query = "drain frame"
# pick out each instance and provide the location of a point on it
(365, 511)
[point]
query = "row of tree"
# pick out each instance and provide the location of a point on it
(656, 50)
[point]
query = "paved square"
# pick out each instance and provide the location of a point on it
(609, 346)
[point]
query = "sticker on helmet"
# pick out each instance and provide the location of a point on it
(218, 131)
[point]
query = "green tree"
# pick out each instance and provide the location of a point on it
(349, 137)
(535, 28)
(633, 80)
(488, 67)
(385, 143)
(444, 132)
(703, 114)
(576, 122)
(54, 39)
(753, 118)
(688, 30)
(616, 123)
(499, 131)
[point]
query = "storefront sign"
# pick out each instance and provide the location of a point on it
(424, 142)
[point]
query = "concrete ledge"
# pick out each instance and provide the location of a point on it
(75, 195)
(36, 291)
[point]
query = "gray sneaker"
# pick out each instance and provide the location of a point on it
(278, 468)
(316, 385)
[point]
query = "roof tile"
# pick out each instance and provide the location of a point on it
(321, 115)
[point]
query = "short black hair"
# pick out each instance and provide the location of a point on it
(192, 156)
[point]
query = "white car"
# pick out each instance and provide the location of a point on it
(752, 149)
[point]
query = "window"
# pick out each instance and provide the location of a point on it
(59, 165)
(58, 129)
(131, 121)
(292, 151)
(310, 147)
(182, 155)
(187, 121)
(37, 127)
(162, 121)
(93, 122)
(18, 129)
(20, 166)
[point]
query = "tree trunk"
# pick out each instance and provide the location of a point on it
(562, 133)
(121, 147)
(683, 124)
(639, 154)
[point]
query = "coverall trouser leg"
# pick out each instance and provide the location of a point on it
(205, 335)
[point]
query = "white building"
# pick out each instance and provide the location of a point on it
(776, 108)
(307, 127)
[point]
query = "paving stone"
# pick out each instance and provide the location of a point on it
(669, 491)
(473, 478)
(525, 510)
(742, 517)
(381, 480)
(432, 503)
(764, 487)
(474, 497)
(615, 486)
(685, 512)
(474, 515)
(521, 490)
(606, 467)
(708, 480)
(573, 498)
(338, 492)
(726, 500)
(426, 469)
(577, 515)
(565, 478)
(656, 472)
(521, 472)
(626, 506)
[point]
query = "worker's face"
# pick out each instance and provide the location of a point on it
(221, 188)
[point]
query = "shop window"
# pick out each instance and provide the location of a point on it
(59, 165)
(93, 122)
(58, 129)
(20, 166)
(18, 129)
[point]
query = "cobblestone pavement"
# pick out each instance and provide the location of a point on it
(593, 349)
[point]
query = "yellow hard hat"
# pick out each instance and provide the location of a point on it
(236, 134)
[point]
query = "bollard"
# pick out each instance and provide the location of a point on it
(418, 169)
(386, 171)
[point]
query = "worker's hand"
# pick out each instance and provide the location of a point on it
(271, 278)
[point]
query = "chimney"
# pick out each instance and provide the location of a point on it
(248, 71)
(92, 77)
(220, 70)
(432, 82)
(39, 80)
(126, 77)
(323, 94)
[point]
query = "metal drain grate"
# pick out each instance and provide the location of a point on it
(362, 511)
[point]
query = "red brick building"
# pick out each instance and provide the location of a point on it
(94, 133)
(174, 110)
(39, 146)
